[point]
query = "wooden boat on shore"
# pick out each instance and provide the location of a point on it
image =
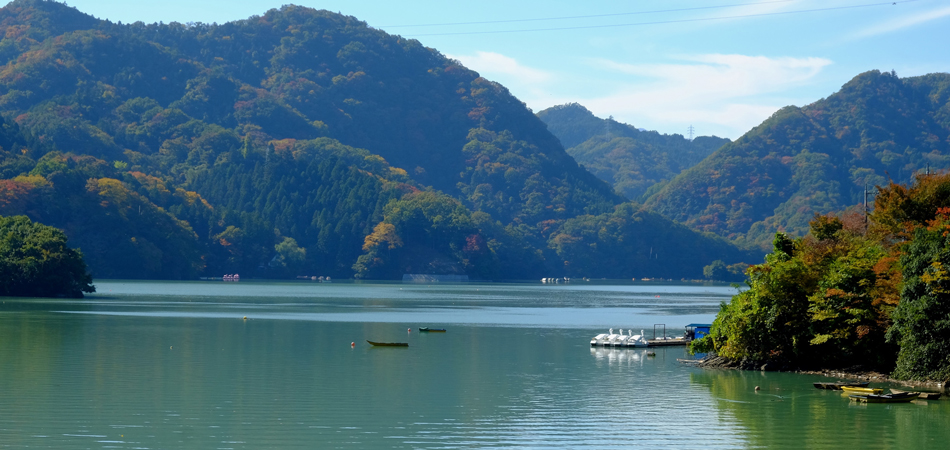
(885, 398)
(922, 395)
(431, 330)
(388, 344)
(836, 385)
(861, 390)
(689, 361)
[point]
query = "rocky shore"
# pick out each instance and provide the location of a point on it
(856, 373)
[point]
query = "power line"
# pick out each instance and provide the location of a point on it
(657, 11)
(661, 22)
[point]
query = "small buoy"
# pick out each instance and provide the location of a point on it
(757, 388)
(352, 344)
(169, 347)
(245, 317)
(409, 330)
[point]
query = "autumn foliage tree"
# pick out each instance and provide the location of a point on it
(810, 304)
(845, 296)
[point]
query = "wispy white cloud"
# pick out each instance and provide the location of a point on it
(718, 76)
(730, 91)
(751, 9)
(900, 23)
(493, 65)
(726, 93)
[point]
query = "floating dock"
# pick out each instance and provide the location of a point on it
(667, 342)
(630, 340)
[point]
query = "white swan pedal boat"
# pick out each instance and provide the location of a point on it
(619, 340)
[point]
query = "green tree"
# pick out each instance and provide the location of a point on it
(716, 270)
(36, 262)
(813, 302)
(922, 318)
(289, 256)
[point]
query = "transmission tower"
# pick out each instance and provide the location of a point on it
(690, 131)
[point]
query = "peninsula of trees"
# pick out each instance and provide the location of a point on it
(852, 293)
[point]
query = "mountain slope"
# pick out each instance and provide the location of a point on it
(299, 141)
(817, 158)
(636, 163)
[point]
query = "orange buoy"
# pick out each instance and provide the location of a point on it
(352, 344)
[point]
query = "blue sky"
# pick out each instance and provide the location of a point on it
(722, 66)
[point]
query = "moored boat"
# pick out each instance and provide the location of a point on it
(636, 340)
(431, 330)
(609, 340)
(598, 340)
(885, 398)
(388, 344)
(620, 340)
(836, 385)
(922, 395)
(861, 390)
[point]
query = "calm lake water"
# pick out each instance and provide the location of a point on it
(147, 365)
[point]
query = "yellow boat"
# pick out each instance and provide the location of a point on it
(861, 390)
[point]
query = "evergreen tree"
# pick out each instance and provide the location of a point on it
(36, 262)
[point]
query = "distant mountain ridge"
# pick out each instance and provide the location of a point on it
(636, 162)
(815, 159)
(296, 142)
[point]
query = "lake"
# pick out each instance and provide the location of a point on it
(175, 365)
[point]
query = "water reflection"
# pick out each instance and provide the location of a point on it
(619, 356)
(788, 412)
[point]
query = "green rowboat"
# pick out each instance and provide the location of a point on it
(388, 344)
(889, 398)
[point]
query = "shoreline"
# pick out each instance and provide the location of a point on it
(718, 362)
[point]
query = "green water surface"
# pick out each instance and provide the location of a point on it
(145, 365)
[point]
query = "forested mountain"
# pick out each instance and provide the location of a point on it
(296, 142)
(817, 158)
(635, 162)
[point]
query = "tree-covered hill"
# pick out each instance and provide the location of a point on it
(295, 142)
(635, 162)
(817, 158)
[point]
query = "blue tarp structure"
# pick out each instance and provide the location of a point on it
(699, 329)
